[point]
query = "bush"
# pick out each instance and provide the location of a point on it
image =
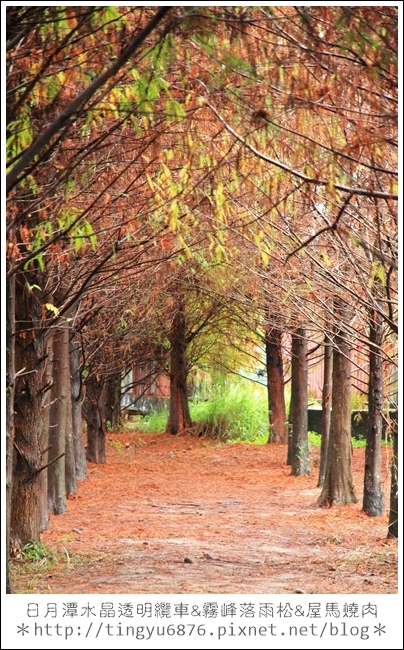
(237, 410)
(153, 423)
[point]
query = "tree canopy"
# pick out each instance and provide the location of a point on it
(208, 174)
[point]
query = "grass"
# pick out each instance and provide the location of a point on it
(116, 445)
(153, 423)
(357, 442)
(237, 411)
(31, 566)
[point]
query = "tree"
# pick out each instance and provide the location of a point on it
(338, 486)
(300, 456)
(393, 515)
(77, 399)
(326, 409)
(59, 423)
(204, 147)
(10, 379)
(275, 379)
(36, 232)
(373, 495)
(179, 418)
(29, 386)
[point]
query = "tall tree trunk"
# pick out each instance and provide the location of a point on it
(113, 400)
(46, 406)
(373, 495)
(393, 515)
(179, 418)
(10, 379)
(70, 465)
(59, 424)
(326, 409)
(95, 414)
(278, 431)
(300, 443)
(338, 488)
(30, 362)
(290, 437)
(77, 416)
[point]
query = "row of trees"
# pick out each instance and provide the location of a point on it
(228, 178)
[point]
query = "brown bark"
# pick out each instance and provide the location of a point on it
(373, 495)
(179, 418)
(77, 416)
(70, 458)
(338, 488)
(290, 437)
(59, 422)
(278, 431)
(10, 379)
(46, 405)
(393, 514)
(94, 413)
(30, 362)
(326, 410)
(113, 401)
(300, 459)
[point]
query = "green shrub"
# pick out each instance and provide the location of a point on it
(153, 423)
(237, 410)
(314, 438)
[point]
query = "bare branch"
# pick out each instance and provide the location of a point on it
(359, 191)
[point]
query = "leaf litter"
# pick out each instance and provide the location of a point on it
(183, 514)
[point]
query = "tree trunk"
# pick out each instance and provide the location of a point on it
(46, 406)
(10, 380)
(338, 486)
(373, 495)
(58, 424)
(278, 431)
(290, 438)
(393, 515)
(326, 409)
(77, 416)
(70, 465)
(30, 361)
(300, 443)
(113, 401)
(94, 413)
(179, 418)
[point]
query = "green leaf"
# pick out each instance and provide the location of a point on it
(153, 91)
(110, 14)
(174, 109)
(377, 272)
(265, 258)
(31, 287)
(91, 235)
(173, 221)
(50, 307)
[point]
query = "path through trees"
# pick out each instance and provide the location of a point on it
(181, 182)
(190, 515)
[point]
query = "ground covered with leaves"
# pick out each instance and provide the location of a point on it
(185, 514)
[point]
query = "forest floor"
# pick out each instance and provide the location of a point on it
(182, 514)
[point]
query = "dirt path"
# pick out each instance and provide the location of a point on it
(185, 515)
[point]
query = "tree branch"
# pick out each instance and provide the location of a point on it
(290, 170)
(67, 113)
(332, 226)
